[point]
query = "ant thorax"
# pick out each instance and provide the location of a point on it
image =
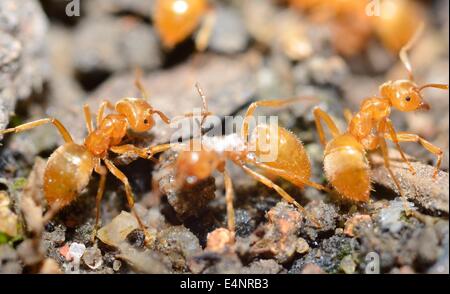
(221, 145)
(232, 143)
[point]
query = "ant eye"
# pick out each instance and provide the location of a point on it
(408, 99)
(145, 121)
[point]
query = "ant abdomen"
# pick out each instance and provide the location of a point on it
(195, 166)
(347, 168)
(176, 20)
(286, 150)
(68, 171)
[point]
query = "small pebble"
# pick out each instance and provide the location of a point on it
(118, 229)
(93, 258)
(347, 265)
(312, 269)
(63, 251)
(76, 251)
(117, 264)
(136, 238)
(390, 217)
(302, 246)
(219, 240)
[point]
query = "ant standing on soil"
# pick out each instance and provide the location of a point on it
(345, 162)
(70, 167)
(292, 162)
(175, 20)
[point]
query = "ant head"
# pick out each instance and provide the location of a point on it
(145, 121)
(138, 112)
(195, 166)
(404, 95)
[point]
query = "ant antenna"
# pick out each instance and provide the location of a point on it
(205, 111)
(436, 86)
(407, 63)
(138, 83)
(404, 51)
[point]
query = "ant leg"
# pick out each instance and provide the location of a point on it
(27, 126)
(288, 198)
(384, 150)
(320, 115)
(101, 111)
(129, 192)
(204, 34)
(88, 118)
(267, 103)
(408, 137)
(98, 199)
(404, 51)
(229, 197)
(146, 153)
(284, 174)
(394, 138)
(387, 164)
(124, 149)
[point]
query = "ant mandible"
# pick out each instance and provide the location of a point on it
(291, 163)
(345, 162)
(69, 168)
(175, 20)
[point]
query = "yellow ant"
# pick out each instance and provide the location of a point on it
(291, 163)
(176, 20)
(345, 162)
(70, 167)
(353, 25)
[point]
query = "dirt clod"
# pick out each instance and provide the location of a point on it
(9, 260)
(280, 237)
(263, 267)
(220, 241)
(179, 245)
(23, 55)
(327, 216)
